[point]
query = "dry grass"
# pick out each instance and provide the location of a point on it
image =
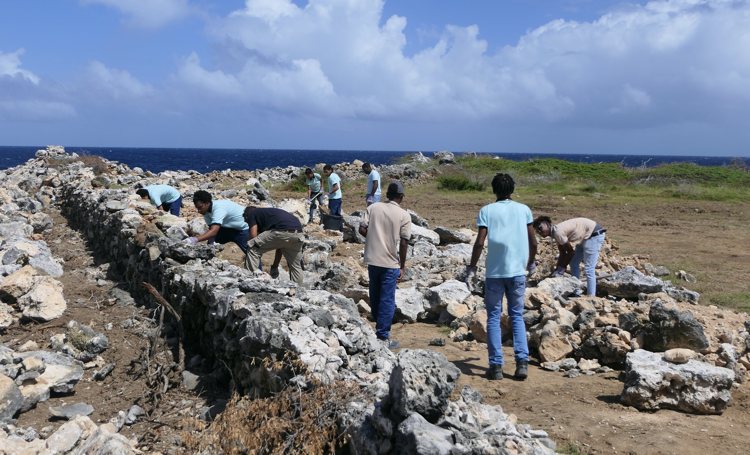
(294, 420)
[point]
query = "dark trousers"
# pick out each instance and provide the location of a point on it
(174, 206)
(382, 298)
(334, 205)
(227, 235)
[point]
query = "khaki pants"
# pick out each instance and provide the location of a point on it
(290, 244)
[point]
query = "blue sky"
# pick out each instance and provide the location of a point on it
(497, 76)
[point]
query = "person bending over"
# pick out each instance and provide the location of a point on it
(587, 236)
(275, 229)
(224, 219)
(164, 197)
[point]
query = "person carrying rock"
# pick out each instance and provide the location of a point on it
(386, 228)
(224, 219)
(511, 250)
(373, 184)
(587, 236)
(334, 190)
(314, 190)
(275, 229)
(163, 197)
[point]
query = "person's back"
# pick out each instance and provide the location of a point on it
(271, 219)
(386, 222)
(507, 237)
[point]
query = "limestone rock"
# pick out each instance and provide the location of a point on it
(670, 327)
(416, 435)
(17, 284)
(45, 301)
(679, 355)
(11, 399)
(448, 235)
(628, 283)
(421, 233)
(410, 304)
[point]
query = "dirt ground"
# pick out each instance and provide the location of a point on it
(582, 415)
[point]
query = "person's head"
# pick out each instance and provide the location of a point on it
(308, 173)
(327, 169)
(142, 192)
(543, 225)
(395, 192)
(503, 186)
(202, 200)
(367, 168)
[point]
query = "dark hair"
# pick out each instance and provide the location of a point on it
(364, 165)
(395, 189)
(142, 192)
(328, 167)
(308, 171)
(541, 219)
(503, 186)
(201, 196)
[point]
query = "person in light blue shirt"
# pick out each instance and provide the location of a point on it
(163, 197)
(334, 190)
(314, 190)
(224, 219)
(511, 250)
(372, 192)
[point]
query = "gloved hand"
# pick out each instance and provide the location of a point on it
(191, 240)
(274, 272)
(560, 271)
(469, 275)
(531, 268)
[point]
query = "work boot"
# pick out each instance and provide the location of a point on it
(522, 370)
(495, 372)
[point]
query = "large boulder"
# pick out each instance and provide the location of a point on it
(11, 399)
(410, 304)
(628, 283)
(669, 327)
(448, 235)
(45, 301)
(652, 383)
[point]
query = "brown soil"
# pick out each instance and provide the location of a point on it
(582, 415)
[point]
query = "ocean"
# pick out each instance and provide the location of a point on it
(206, 160)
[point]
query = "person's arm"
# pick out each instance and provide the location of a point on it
(374, 188)
(210, 233)
(309, 191)
(363, 229)
(253, 231)
(566, 254)
(162, 208)
(334, 188)
(532, 245)
(476, 252)
(403, 247)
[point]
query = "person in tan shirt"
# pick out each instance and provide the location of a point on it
(386, 228)
(578, 239)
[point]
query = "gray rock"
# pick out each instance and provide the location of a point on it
(134, 413)
(694, 387)
(415, 435)
(70, 411)
(628, 283)
(421, 381)
(448, 235)
(11, 399)
(671, 328)
(444, 157)
(410, 304)
(421, 233)
(417, 220)
(561, 287)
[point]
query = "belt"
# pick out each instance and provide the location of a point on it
(595, 233)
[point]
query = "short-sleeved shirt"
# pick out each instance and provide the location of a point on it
(573, 231)
(271, 219)
(334, 179)
(373, 176)
(227, 214)
(507, 236)
(159, 194)
(387, 224)
(314, 183)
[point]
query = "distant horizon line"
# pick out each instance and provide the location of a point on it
(371, 150)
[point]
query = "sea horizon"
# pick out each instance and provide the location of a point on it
(159, 159)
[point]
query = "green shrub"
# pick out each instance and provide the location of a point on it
(460, 183)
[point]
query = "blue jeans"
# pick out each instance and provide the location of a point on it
(588, 252)
(174, 206)
(382, 298)
(227, 235)
(514, 289)
(335, 206)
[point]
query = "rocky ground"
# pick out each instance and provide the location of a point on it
(580, 408)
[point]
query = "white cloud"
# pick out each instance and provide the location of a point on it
(10, 66)
(117, 84)
(35, 110)
(148, 13)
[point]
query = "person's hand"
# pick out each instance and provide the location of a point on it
(531, 268)
(469, 275)
(191, 240)
(274, 272)
(560, 271)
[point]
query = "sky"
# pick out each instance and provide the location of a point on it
(665, 77)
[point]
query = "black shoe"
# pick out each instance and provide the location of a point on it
(522, 370)
(495, 372)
